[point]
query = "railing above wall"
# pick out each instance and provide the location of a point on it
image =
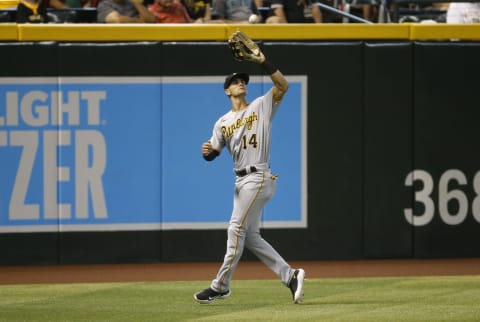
(220, 32)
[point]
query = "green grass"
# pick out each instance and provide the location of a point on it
(453, 298)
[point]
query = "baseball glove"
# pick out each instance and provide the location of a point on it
(243, 48)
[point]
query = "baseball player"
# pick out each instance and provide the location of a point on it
(245, 131)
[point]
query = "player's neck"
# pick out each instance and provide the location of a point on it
(238, 103)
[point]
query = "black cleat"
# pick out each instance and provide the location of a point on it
(208, 296)
(296, 285)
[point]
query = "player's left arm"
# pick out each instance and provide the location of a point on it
(280, 86)
(280, 83)
(245, 49)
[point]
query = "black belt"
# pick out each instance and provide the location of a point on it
(244, 172)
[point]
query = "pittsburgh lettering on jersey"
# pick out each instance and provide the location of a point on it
(239, 123)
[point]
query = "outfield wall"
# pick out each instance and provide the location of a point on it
(376, 145)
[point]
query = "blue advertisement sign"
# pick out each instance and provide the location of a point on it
(86, 154)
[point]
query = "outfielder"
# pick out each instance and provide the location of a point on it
(245, 131)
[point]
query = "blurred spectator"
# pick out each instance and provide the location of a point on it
(66, 4)
(360, 8)
(31, 11)
(368, 11)
(234, 11)
(294, 11)
(264, 9)
(169, 11)
(463, 12)
(123, 11)
(62, 12)
(198, 10)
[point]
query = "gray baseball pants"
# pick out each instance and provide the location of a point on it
(251, 194)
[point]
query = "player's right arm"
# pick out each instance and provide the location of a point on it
(208, 152)
(211, 149)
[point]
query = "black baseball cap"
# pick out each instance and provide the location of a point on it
(233, 76)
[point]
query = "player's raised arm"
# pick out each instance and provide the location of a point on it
(244, 49)
(280, 83)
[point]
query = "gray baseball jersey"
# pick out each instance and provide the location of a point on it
(246, 134)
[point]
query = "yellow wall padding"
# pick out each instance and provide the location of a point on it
(8, 32)
(220, 32)
(8, 4)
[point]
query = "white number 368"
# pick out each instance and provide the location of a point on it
(445, 196)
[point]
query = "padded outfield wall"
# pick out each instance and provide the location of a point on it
(376, 145)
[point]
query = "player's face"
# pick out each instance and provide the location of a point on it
(237, 81)
(237, 87)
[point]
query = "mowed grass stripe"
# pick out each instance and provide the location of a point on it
(449, 298)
